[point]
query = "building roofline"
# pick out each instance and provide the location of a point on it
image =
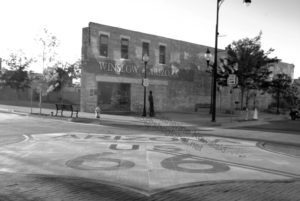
(138, 32)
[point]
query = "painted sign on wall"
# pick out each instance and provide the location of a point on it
(130, 69)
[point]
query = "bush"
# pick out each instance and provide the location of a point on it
(282, 104)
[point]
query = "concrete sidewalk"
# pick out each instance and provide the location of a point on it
(178, 124)
(201, 118)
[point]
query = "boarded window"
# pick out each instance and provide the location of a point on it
(124, 48)
(162, 54)
(103, 45)
(145, 49)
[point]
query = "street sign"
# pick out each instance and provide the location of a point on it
(145, 82)
(232, 79)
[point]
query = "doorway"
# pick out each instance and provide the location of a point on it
(114, 96)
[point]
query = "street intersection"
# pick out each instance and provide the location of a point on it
(143, 163)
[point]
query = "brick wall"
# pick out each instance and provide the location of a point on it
(177, 85)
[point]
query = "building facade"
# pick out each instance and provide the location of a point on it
(113, 70)
(282, 67)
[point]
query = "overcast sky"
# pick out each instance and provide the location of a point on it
(188, 20)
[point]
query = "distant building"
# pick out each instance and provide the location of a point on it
(266, 99)
(282, 67)
(112, 71)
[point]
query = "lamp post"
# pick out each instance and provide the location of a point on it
(208, 57)
(145, 81)
(214, 90)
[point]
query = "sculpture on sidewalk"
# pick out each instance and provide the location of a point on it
(151, 103)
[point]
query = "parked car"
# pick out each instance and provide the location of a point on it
(294, 113)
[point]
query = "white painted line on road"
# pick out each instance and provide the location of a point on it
(26, 138)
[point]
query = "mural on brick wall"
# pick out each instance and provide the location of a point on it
(184, 61)
(131, 69)
(184, 70)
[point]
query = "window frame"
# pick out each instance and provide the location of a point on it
(162, 54)
(103, 47)
(124, 47)
(145, 49)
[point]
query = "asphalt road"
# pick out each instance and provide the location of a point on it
(13, 127)
(284, 126)
(17, 186)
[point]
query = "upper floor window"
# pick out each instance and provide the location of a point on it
(162, 54)
(124, 48)
(103, 45)
(145, 49)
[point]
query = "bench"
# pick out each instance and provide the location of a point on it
(201, 105)
(66, 107)
(294, 113)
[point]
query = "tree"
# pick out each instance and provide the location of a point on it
(16, 76)
(253, 71)
(281, 87)
(49, 44)
(61, 75)
(291, 95)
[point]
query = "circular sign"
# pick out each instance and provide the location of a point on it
(145, 82)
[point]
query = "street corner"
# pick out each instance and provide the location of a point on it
(147, 163)
(8, 116)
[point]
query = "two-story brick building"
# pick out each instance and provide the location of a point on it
(112, 71)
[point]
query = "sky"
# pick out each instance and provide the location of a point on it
(187, 20)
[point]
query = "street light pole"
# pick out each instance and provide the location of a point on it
(213, 116)
(145, 59)
(214, 90)
(208, 57)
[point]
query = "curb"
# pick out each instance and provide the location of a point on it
(6, 110)
(228, 124)
(12, 111)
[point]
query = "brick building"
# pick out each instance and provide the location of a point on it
(282, 67)
(112, 71)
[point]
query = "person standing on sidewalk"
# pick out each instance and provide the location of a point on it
(151, 103)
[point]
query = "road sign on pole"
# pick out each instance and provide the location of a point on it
(232, 80)
(145, 82)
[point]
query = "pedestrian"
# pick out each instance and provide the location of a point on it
(151, 103)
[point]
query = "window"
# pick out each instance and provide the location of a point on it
(93, 92)
(104, 45)
(124, 48)
(145, 49)
(162, 54)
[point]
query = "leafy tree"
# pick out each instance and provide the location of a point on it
(253, 71)
(49, 43)
(281, 87)
(61, 75)
(16, 76)
(291, 95)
